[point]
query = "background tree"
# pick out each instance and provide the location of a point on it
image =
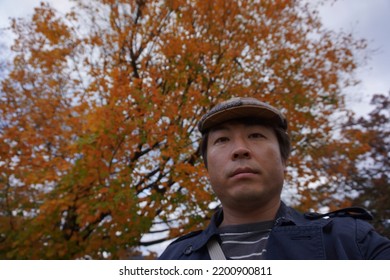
(362, 170)
(372, 181)
(100, 144)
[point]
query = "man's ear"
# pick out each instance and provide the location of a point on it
(284, 162)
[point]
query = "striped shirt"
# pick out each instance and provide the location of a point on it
(245, 242)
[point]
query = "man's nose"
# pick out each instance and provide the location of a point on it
(240, 151)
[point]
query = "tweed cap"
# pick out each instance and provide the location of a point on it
(241, 107)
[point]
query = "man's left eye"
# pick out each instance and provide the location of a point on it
(256, 135)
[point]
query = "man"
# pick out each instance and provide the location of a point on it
(245, 147)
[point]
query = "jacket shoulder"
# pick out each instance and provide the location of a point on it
(180, 246)
(187, 236)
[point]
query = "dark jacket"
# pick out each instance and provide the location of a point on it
(341, 235)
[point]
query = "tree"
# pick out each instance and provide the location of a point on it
(100, 145)
(372, 181)
(362, 170)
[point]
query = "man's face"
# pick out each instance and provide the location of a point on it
(244, 165)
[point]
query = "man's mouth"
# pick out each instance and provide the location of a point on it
(243, 170)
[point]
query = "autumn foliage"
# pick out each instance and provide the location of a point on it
(99, 141)
(372, 177)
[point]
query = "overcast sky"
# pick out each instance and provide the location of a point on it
(367, 19)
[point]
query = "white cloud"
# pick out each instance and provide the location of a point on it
(369, 20)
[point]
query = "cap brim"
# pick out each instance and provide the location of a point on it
(243, 111)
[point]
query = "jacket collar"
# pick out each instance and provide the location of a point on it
(210, 231)
(284, 216)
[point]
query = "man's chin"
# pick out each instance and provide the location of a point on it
(247, 197)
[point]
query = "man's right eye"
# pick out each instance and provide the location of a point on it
(221, 140)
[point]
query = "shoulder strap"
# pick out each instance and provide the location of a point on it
(215, 250)
(355, 212)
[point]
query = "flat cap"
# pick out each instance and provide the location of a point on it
(241, 107)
